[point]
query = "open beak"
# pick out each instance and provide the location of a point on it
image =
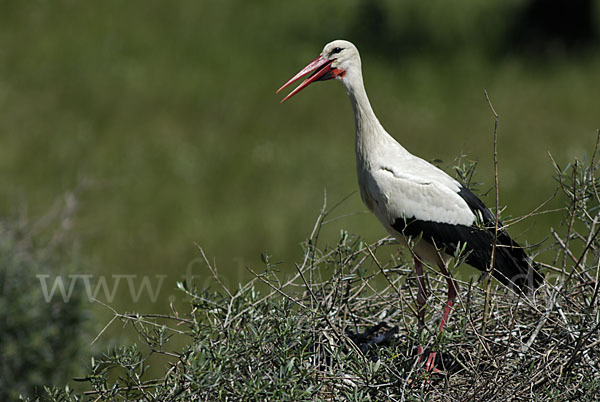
(319, 67)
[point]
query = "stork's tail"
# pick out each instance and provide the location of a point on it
(513, 267)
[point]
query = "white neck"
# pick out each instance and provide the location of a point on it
(370, 134)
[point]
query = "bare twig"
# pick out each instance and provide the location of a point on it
(496, 219)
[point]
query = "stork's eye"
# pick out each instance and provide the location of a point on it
(336, 50)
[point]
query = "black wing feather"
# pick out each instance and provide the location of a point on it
(512, 266)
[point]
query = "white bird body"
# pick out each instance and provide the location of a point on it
(394, 183)
(413, 198)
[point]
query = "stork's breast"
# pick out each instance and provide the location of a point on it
(367, 198)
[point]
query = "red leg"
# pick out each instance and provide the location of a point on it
(452, 291)
(422, 292)
(421, 298)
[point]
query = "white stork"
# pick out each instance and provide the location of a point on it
(414, 199)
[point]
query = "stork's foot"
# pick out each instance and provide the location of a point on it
(430, 362)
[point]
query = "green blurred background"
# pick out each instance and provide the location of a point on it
(163, 115)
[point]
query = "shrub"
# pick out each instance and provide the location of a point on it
(303, 337)
(40, 341)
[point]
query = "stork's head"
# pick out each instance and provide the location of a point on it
(339, 59)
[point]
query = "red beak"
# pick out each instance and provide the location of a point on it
(319, 67)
